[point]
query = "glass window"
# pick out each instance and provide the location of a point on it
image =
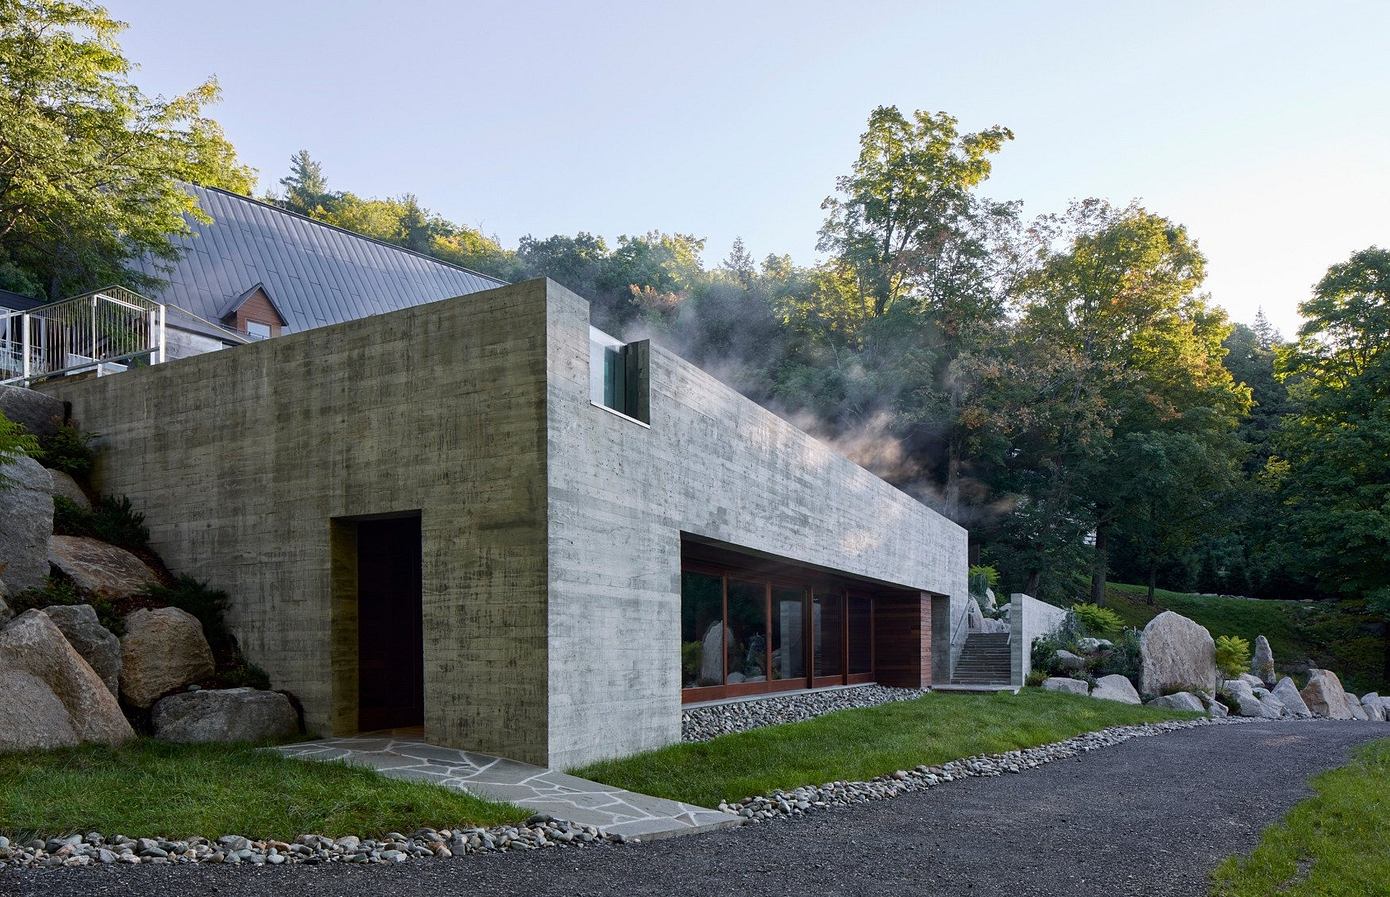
(861, 634)
(788, 644)
(827, 624)
(748, 632)
(257, 330)
(703, 633)
(618, 374)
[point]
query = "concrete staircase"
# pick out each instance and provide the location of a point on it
(984, 662)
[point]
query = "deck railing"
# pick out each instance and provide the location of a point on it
(105, 331)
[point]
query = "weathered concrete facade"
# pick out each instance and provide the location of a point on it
(551, 526)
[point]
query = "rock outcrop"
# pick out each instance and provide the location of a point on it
(1176, 653)
(1070, 686)
(26, 509)
(65, 486)
(104, 570)
(1287, 694)
(1183, 700)
(1372, 705)
(34, 646)
(1115, 688)
(163, 650)
(231, 714)
(37, 412)
(96, 644)
(1262, 664)
(1325, 696)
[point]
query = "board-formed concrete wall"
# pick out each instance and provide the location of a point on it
(551, 526)
(240, 459)
(713, 464)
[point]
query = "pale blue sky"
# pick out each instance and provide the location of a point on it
(1264, 127)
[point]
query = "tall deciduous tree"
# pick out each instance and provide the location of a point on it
(89, 166)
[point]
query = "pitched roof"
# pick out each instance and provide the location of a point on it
(17, 301)
(230, 308)
(319, 274)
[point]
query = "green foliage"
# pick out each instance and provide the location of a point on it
(690, 660)
(69, 449)
(15, 442)
(153, 788)
(1122, 658)
(58, 590)
(112, 519)
(982, 578)
(1329, 845)
(92, 167)
(1232, 655)
(1096, 621)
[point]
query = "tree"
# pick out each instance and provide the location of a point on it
(90, 168)
(910, 185)
(306, 188)
(1114, 298)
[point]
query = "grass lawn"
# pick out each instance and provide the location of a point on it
(856, 745)
(1337, 636)
(153, 789)
(1334, 844)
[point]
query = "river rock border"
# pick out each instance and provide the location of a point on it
(96, 849)
(704, 723)
(811, 798)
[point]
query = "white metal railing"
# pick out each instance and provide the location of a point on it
(104, 331)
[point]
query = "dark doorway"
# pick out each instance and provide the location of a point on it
(390, 637)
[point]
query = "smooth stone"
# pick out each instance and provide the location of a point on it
(1262, 663)
(1176, 653)
(224, 714)
(1064, 684)
(1324, 695)
(163, 650)
(26, 508)
(1115, 688)
(1183, 700)
(97, 645)
(1287, 694)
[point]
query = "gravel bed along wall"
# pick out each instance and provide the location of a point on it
(704, 723)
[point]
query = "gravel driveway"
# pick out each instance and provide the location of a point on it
(1151, 816)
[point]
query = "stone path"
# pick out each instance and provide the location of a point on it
(536, 788)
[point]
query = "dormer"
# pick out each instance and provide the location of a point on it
(254, 313)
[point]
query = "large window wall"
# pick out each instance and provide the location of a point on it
(746, 632)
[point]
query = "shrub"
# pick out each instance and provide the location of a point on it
(1044, 653)
(111, 519)
(981, 578)
(15, 442)
(1122, 657)
(58, 590)
(1097, 621)
(1232, 655)
(68, 450)
(1036, 678)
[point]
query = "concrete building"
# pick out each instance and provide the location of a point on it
(484, 517)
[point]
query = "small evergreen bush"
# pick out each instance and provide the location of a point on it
(15, 442)
(68, 450)
(1232, 655)
(112, 519)
(60, 590)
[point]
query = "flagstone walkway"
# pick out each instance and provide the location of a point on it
(536, 788)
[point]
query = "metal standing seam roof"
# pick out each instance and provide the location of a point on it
(314, 273)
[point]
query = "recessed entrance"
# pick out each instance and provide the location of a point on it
(390, 637)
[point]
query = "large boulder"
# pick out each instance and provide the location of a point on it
(1324, 695)
(104, 570)
(26, 509)
(1287, 694)
(1115, 688)
(230, 714)
(93, 641)
(1251, 680)
(38, 413)
(1069, 661)
(975, 619)
(1354, 707)
(1070, 686)
(34, 645)
(1374, 709)
(65, 486)
(1272, 705)
(1247, 704)
(1262, 664)
(1176, 654)
(1183, 700)
(162, 650)
(31, 716)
